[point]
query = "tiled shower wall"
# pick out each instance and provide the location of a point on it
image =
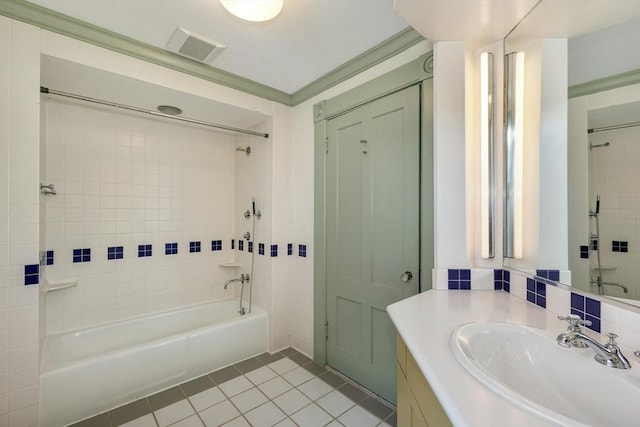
(19, 98)
(614, 173)
(125, 181)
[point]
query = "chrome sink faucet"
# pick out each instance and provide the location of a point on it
(608, 354)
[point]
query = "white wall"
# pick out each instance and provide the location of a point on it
(19, 224)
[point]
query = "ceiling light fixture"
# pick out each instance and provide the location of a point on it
(254, 10)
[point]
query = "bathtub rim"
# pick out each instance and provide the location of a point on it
(46, 343)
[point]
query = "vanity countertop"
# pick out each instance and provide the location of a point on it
(425, 323)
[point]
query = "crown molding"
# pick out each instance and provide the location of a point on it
(377, 54)
(30, 13)
(59, 23)
(606, 83)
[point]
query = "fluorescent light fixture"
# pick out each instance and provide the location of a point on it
(487, 182)
(254, 10)
(514, 158)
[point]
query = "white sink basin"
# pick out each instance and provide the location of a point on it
(565, 386)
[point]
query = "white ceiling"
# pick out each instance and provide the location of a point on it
(307, 40)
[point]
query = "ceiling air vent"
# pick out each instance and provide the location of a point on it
(194, 46)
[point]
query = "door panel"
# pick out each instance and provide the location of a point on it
(372, 233)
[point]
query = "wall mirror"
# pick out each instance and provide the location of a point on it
(581, 185)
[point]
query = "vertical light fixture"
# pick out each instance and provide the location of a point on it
(514, 145)
(254, 10)
(487, 182)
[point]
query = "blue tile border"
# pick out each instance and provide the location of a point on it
(31, 274)
(250, 247)
(588, 309)
(537, 292)
(584, 252)
(240, 245)
(145, 251)
(274, 250)
(82, 255)
(115, 252)
(553, 275)
(171, 248)
(216, 245)
(233, 243)
(289, 249)
(195, 247)
(260, 248)
(619, 246)
(302, 251)
(49, 258)
(459, 278)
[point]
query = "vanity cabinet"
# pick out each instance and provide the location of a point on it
(417, 404)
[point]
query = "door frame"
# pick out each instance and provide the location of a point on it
(413, 73)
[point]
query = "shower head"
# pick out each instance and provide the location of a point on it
(246, 150)
(592, 146)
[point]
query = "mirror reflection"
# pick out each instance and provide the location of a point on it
(602, 68)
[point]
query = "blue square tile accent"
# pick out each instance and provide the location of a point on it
(233, 243)
(595, 323)
(506, 276)
(594, 245)
(531, 285)
(260, 248)
(459, 278)
(507, 286)
(195, 247)
(592, 307)
(587, 309)
(216, 245)
(250, 247)
(31, 274)
(624, 246)
(577, 301)
(115, 252)
(49, 258)
(584, 252)
(615, 246)
(554, 275)
(274, 250)
(289, 248)
(541, 301)
(302, 251)
(541, 289)
(82, 255)
(241, 245)
(498, 282)
(170, 248)
(537, 291)
(144, 250)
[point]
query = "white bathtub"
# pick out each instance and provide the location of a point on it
(92, 370)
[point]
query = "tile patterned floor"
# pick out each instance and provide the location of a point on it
(281, 389)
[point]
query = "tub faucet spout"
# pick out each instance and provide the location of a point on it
(242, 279)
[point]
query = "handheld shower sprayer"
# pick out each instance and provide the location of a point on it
(596, 212)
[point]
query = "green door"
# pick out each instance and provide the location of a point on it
(373, 161)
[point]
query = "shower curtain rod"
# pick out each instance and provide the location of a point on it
(604, 128)
(151, 112)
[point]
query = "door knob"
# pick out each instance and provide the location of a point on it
(406, 276)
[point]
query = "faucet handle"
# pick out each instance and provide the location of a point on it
(575, 321)
(637, 353)
(612, 340)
